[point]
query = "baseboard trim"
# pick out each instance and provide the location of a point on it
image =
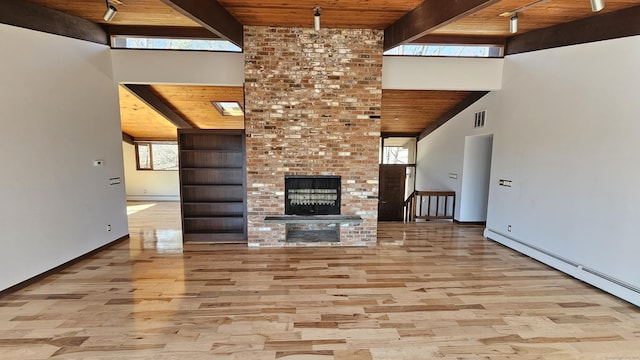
(59, 268)
(469, 222)
(155, 198)
(604, 282)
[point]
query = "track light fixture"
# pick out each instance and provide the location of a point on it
(513, 24)
(597, 5)
(110, 13)
(513, 14)
(316, 18)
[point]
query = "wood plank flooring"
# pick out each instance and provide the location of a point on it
(427, 291)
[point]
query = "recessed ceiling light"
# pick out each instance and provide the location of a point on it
(228, 108)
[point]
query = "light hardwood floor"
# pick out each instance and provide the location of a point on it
(428, 290)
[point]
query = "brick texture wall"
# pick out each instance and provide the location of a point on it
(312, 104)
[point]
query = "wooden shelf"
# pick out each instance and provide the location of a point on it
(212, 185)
(217, 186)
(214, 217)
(212, 151)
(208, 202)
(213, 237)
(211, 168)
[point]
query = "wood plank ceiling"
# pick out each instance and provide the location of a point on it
(192, 103)
(372, 14)
(411, 111)
(403, 112)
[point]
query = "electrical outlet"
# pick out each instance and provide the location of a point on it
(109, 227)
(509, 228)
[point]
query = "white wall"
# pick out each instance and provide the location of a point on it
(566, 133)
(178, 67)
(59, 113)
(433, 73)
(148, 185)
(441, 156)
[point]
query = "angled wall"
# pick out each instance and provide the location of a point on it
(566, 132)
(59, 113)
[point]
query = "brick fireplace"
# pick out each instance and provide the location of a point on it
(312, 107)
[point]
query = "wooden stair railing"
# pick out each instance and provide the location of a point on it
(408, 208)
(430, 205)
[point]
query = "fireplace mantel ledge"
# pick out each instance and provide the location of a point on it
(319, 219)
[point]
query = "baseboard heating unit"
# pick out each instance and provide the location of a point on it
(581, 272)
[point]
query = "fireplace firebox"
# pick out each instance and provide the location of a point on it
(312, 195)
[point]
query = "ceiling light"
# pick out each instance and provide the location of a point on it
(597, 5)
(110, 13)
(523, 8)
(513, 24)
(316, 18)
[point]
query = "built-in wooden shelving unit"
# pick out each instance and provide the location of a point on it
(212, 185)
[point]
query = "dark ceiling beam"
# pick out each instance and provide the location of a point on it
(212, 16)
(457, 109)
(429, 16)
(611, 25)
(149, 97)
(128, 138)
(398, 134)
(155, 139)
(35, 17)
(179, 32)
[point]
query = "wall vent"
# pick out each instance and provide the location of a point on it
(480, 119)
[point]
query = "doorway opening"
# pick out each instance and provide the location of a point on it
(476, 170)
(397, 176)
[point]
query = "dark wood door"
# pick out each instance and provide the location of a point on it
(392, 183)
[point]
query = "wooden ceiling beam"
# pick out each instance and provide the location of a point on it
(611, 25)
(429, 16)
(458, 108)
(128, 138)
(36, 17)
(212, 16)
(398, 134)
(149, 97)
(179, 32)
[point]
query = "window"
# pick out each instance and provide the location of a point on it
(398, 150)
(157, 155)
(486, 51)
(395, 155)
(134, 42)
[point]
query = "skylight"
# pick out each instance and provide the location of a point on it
(134, 42)
(446, 50)
(228, 108)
